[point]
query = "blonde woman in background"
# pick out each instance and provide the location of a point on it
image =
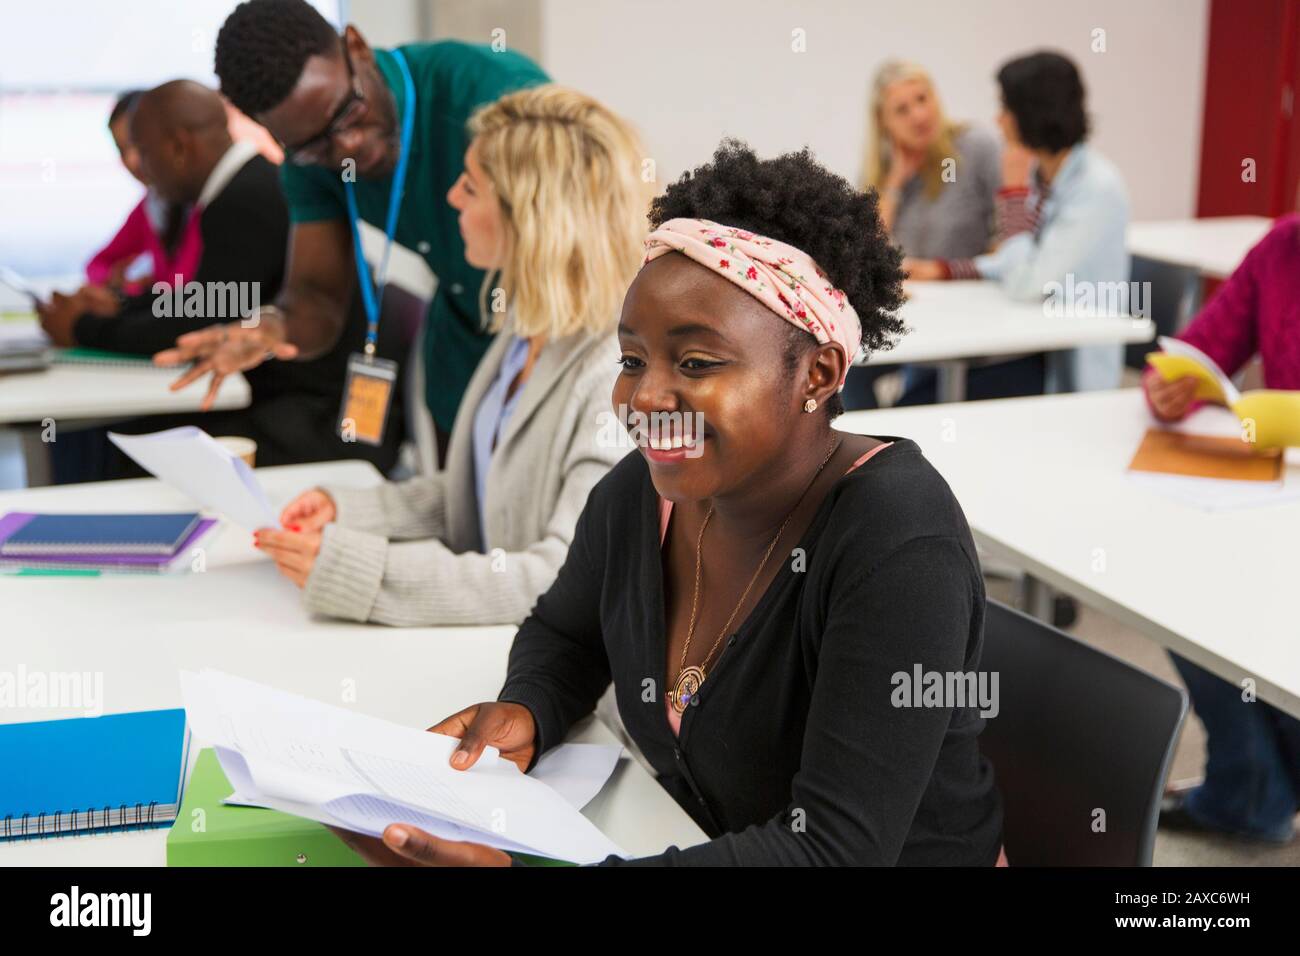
(936, 178)
(552, 206)
(936, 181)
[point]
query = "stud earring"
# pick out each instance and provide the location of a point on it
(810, 405)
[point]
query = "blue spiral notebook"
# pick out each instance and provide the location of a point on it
(116, 772)
(56, 534)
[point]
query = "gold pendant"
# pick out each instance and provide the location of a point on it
(688, 685)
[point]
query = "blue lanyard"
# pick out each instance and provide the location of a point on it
(371, 295)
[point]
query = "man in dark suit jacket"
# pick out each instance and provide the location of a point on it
(187, 155)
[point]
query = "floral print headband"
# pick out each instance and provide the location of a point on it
(783, 278)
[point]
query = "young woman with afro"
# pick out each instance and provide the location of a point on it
(755, 586)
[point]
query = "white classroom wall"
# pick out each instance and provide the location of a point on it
(688, 71)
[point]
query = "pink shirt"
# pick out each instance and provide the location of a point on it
(139, 236)
(1256, 311)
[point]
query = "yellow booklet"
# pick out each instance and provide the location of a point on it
(1270, 417)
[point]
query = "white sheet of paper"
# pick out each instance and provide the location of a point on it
(1218, 494)
(1222, 494)
(20, 285)
(191, 462)
(345, 769)
(577, 772)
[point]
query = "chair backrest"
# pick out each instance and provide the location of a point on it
(1080, 746)
(1163, 288)
(402, 315)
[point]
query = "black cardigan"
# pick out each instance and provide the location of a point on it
(794, 753)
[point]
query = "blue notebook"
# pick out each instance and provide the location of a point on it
(119, 771)
(55, 534)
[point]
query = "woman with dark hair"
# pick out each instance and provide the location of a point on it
(759, 586)
(1061, 225)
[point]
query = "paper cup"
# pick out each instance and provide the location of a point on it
(244, 448)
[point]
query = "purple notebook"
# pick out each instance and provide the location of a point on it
(14, 520)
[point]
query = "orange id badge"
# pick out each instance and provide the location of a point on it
(367, 396)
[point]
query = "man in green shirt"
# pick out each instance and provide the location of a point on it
(336, 105)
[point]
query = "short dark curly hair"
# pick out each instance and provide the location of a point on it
(1045, 94)
(798, 201)
(262, 49)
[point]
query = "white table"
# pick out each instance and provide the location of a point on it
(242, 617)
(1043, 484)
(951, 323)
(1205, 248)
(73, 395)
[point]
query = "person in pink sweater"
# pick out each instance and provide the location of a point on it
(1257, 311)
(1252, 769)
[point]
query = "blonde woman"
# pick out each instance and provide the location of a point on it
(936, 178)
(552, 206)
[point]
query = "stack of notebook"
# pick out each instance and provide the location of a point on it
(118, 772)
(23, 347)
(94, 543)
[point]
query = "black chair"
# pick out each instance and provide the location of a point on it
(1078, 733)
(1165, 289)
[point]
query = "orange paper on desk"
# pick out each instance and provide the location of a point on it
(1205, 456)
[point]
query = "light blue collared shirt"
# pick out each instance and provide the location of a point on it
(1081, 234)
(490, 418)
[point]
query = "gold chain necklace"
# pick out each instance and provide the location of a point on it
(690, 679)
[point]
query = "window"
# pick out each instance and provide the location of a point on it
(63, 63)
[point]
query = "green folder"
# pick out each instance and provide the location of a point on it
(222, 835)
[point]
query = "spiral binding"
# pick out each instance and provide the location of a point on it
(28, 827)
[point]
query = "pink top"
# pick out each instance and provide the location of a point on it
(1256, 311)
(665, 514)
(137, 237)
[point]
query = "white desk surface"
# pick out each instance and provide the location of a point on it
(1214, 247)
(1043, 484)
(969, 319)
(242, 617)
(71, 392)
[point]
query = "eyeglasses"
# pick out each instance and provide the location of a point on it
(315, 151)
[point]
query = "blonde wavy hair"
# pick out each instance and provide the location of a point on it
(876, 166)
(566, 170)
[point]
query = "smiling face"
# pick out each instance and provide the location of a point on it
(482, 221)
(909, 114)
(324, 99)
(696, 347)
